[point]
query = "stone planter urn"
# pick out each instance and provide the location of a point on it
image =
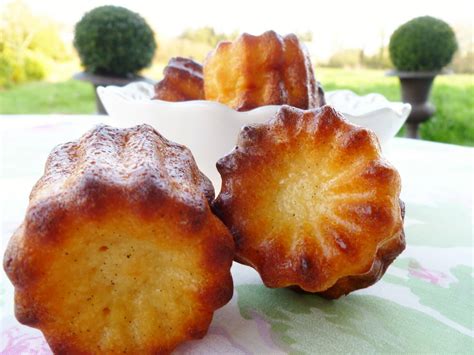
(105, 80)
(419, 49)
(416, 90)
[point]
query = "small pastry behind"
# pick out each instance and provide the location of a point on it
(119, 251)
(182, 81)
(311, 203)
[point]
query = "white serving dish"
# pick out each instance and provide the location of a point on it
(210, 129)
(373, 111)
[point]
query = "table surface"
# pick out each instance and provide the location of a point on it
(424, 303)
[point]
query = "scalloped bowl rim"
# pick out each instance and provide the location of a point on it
(399, 108)
(105, 90)
(374, 105)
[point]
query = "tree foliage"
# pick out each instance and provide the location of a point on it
(28, 44)
(207, 35)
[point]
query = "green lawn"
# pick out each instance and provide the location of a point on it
(69, 96)
(453, 96)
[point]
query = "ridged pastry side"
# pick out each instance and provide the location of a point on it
(311, 202)
(119, 250)
(254, 71)
(182, 81)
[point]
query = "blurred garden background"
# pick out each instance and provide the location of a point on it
(349, 50)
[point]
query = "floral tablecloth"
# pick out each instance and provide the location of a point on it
(424, 303)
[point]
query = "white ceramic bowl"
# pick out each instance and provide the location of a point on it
(373, 111)
(210, 129)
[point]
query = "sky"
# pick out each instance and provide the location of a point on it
(335, 24)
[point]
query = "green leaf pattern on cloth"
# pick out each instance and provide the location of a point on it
(423, 304)
(304, 323)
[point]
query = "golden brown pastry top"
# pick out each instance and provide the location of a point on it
(182, 81)
(136, 165)
(311, 202)
(119, 246)
(137, 158)
(261, 70)
(87, 177)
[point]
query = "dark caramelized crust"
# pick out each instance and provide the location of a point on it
(182, 81)
(119, 251)
(321, 99)
(311, 203)
(261, 70)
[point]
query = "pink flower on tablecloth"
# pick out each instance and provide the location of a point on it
(218, 340)
(432, 276)
(220, 331)
(16, 341)
(263, 329)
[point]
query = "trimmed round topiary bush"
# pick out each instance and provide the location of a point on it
(422, 44)
(112, 40)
